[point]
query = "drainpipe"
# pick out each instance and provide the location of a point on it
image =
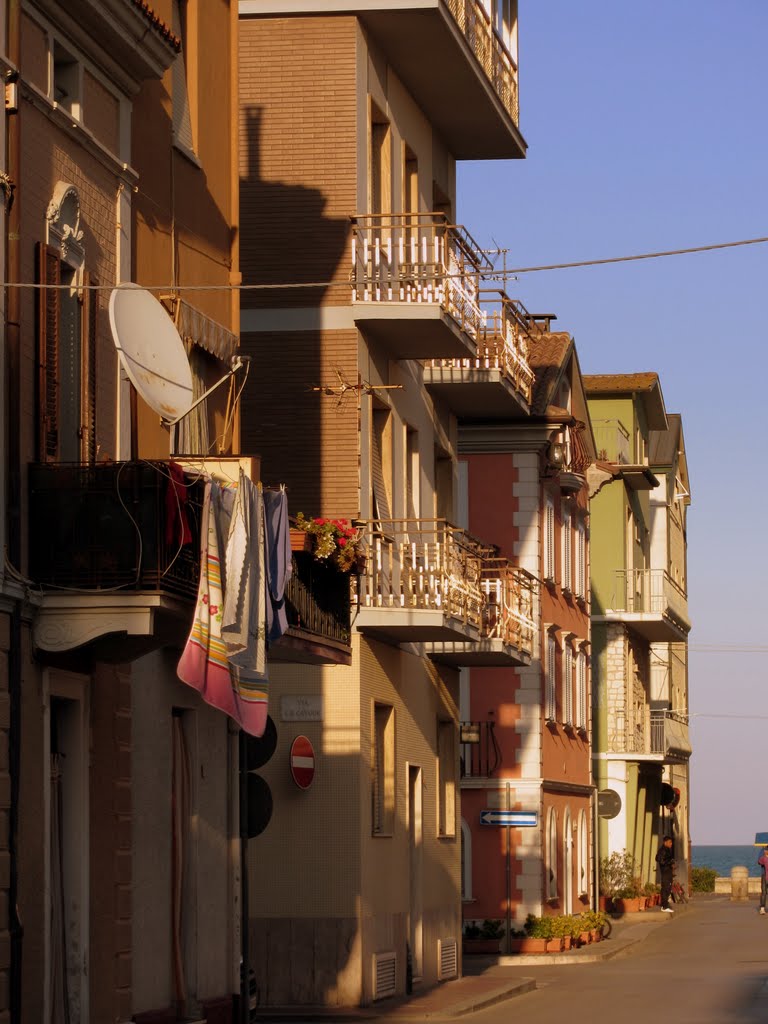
(12, 385)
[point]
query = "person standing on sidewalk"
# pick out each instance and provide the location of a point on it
(665, 858)
(762, 860)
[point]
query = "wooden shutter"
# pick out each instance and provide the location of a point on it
(48, 329)
(549, 539)
(88, 401)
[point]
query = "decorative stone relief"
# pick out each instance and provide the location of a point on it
(63, 225)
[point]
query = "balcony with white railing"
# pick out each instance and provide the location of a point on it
(649, 602)
(507, 622)
(415, 284)
(422, 582)
(497, 383)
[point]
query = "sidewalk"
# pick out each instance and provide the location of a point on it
(486, 979)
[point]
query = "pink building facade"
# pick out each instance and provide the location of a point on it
(526, 486)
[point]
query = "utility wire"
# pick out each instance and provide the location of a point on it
(639, 256)
(491, 275)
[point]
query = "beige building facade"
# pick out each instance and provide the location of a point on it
(363, 279)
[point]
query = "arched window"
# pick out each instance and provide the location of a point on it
(567, 863)
(582, 863)
(552, 854)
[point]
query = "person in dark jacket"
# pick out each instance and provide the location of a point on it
(665, 858)
(762, 860)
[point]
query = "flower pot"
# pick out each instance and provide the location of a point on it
(627, 906)
(585, 938)
(554, 945)
(528, 945)
(596, 934)
(300, 540)
(567, 942)
(478, 946)
(606, 904)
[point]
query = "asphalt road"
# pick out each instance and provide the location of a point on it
(708, 965)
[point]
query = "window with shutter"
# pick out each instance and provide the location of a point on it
(549, 538)
(565, 530)
(581, 690)
(182, 118)
(550, 709)
(581, 559)
(88, 402)
(552, 854)
(49, 273)
(567, 685)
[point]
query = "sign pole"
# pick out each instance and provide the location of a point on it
(509, 879)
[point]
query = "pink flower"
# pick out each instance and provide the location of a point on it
(342, 542)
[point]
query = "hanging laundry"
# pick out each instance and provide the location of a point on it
(225, 655)
(279, 561)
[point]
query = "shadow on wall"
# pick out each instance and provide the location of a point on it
(286, 237)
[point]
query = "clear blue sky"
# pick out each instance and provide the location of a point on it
(647, 128)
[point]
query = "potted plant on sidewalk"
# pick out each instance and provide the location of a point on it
(484, 938)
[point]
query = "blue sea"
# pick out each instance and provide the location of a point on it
(723, 858)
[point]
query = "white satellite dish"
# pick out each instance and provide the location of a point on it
(151, 351)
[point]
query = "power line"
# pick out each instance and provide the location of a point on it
(639, 256)
(492, 275)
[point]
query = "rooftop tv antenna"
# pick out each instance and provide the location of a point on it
(152, 353)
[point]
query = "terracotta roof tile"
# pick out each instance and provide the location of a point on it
(609, 382)
(158, 24)
(546, 355)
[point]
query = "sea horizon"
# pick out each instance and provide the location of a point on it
(723, 856)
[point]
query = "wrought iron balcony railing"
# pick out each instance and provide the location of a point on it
(423, 564)
(418, 258)
(318, 600)
(503, 339)
(479, 751)
(102, 527)
(490, 51)
(650, 591)
(644, 732)
(669, 733)
(508, 596)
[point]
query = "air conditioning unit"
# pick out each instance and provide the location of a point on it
(447, 959)
(384, 975)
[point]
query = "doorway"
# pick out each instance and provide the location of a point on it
(416, 861)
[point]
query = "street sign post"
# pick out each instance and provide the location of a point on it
(512, 819)
(302, 762)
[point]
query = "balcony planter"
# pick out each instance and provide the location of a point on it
(585, 938)
(596, 934)
(567, 942)
(528, 945)
(300, 541)
(554, 945)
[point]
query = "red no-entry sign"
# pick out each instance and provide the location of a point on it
(302, 762)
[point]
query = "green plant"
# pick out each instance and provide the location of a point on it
(491, 929)
(539, 927)
(617, 875)
(471, 931)
(593, 919)
(335, 540)
(650, 889)
(703, 879)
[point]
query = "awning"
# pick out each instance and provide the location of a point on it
(201, 330)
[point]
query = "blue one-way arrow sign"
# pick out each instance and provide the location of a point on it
(517, 819)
